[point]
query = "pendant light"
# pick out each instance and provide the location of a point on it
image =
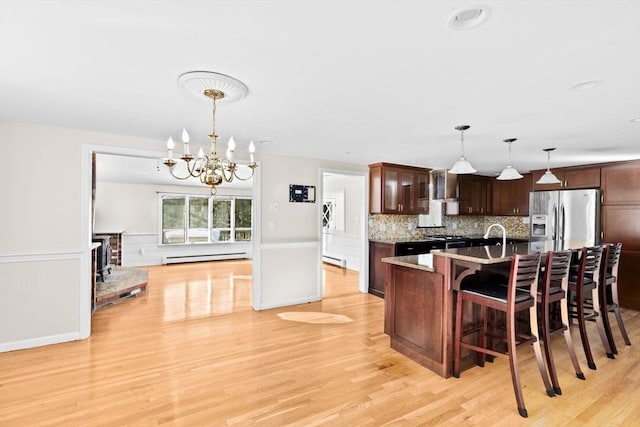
(462, 166)
(509, 172)
(548, 177)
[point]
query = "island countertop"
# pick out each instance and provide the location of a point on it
(420, 262)
(498, 254)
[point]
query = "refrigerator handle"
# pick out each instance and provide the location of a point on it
(562, 220)
(555, 223)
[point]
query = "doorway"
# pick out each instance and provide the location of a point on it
(343, 221)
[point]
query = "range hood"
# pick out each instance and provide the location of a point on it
(434, 217)
(443, 185)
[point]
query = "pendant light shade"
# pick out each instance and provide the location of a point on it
(509, 172)
(462, 166)
(548, 177)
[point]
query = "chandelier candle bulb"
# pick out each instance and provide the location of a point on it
(185, 139)
(252, 149)
(170, 147)
(200, 153)
(230, 149)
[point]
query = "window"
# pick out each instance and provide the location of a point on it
(199, 219)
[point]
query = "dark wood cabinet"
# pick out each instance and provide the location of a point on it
(511, 197)
(377, 251)
(397, 189)
(570, 179)
(621, 184)
(621, 224)
(414, 316)
(473, 194)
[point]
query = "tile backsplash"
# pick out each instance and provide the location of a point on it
(404, 227)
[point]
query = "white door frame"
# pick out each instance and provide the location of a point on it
(363, 279)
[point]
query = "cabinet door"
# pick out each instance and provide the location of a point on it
(621, 224)
(502, 198)
(377, 251)
(512, 197)
(390, 196)
(521, 189)
(621, 184)
(465, 194)
(422, 190)
(408, 192)
(581, 178)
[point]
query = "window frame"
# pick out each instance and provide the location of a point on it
(210, 220)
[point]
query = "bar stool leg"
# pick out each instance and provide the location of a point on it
(513, 365)
(457, 335)
(601, 322)
(583, 330)
(533, 319)
(564, 314)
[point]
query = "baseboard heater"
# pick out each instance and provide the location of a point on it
(340, 262)
(197, 258)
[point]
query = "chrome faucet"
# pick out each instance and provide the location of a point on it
(504, 233)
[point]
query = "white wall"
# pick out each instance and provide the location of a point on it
(45, 227)
(45, 294)
(135, 208)
(291, 242)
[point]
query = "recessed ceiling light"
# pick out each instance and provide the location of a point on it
(469, 17)
(586, 85)
(636, 119)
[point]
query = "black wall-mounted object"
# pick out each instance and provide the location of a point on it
(302, 193)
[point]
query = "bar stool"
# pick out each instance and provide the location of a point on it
(585, 295)
(552, 288)
(510, 299)
(610, 302)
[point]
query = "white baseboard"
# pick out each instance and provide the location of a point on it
(40, 341)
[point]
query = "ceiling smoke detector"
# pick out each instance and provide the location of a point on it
(469, 17)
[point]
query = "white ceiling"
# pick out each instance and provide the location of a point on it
(354, 81)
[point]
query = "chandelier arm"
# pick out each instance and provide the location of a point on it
(182, 178)
(244, 179)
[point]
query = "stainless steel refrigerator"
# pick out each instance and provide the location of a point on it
(565, 215)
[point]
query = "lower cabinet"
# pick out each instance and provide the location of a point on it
(377, 251)
(621, 224)
(414, 316)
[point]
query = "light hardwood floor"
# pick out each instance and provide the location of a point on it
(191, 352)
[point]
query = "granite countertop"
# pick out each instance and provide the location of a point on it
(485, 254)
(497, 254)
(419, 262)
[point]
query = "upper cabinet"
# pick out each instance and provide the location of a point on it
(621, 184)
(570, 179)
(474, 195)
(511, 197)
(397, 189)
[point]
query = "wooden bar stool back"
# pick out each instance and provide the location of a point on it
(552, 289)
(519, 295)
(585, 301)
(610, 303)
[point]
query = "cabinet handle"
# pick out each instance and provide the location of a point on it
(565, 183)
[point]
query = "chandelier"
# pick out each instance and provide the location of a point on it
(210, 169)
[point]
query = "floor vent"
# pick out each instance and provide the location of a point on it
(197, 258)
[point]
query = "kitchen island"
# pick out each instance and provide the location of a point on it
(419, 301)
